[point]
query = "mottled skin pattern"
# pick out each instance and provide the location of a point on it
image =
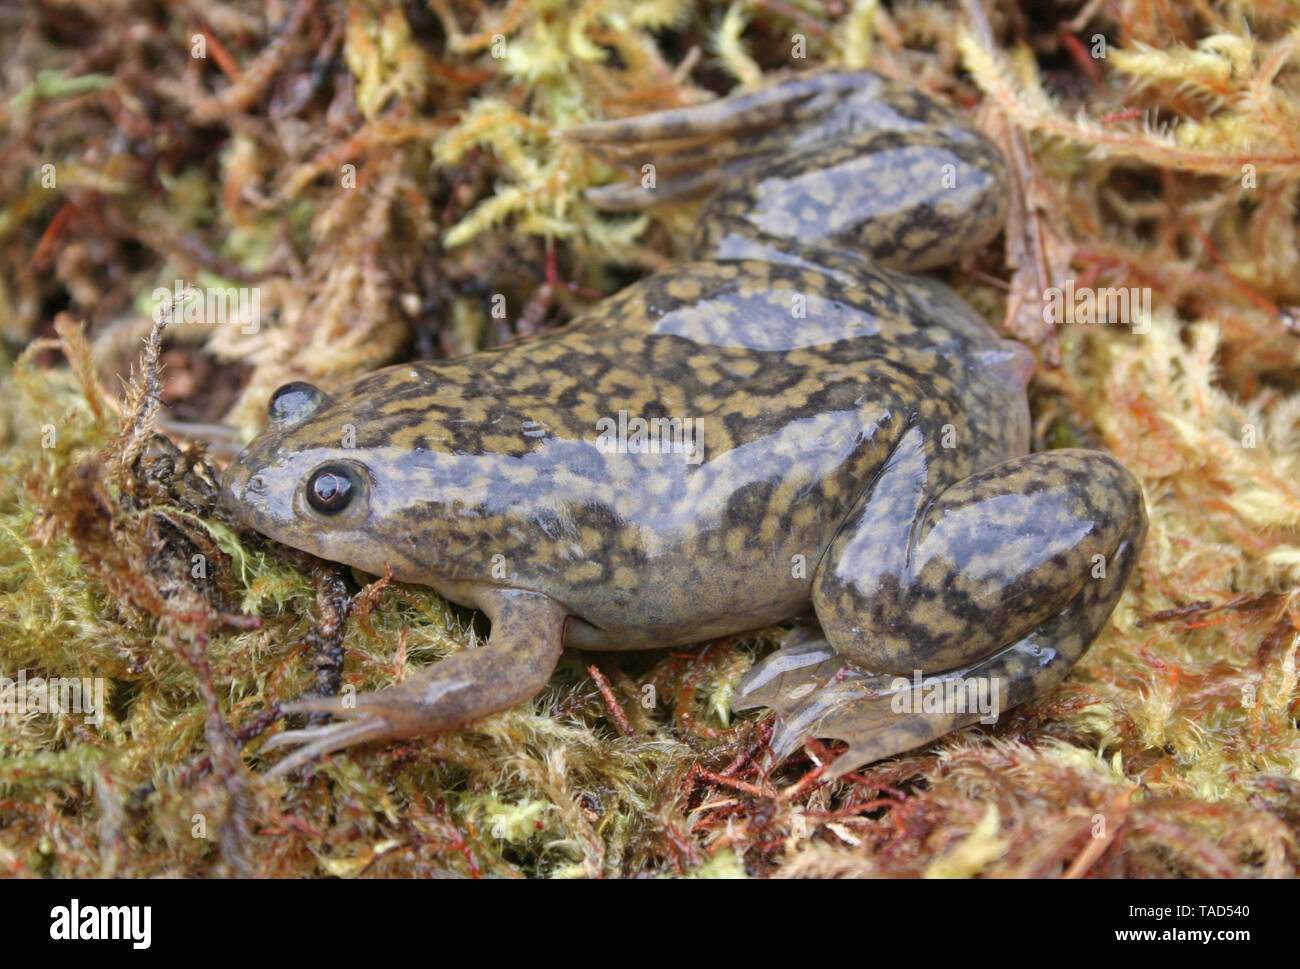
(861, 435)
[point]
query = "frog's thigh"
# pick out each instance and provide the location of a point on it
(989, 561)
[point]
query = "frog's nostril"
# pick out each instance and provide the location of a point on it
(256, 485)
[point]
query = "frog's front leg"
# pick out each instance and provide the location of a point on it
(525, 644)
(991, 590)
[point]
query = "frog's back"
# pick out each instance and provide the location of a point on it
(746, 345)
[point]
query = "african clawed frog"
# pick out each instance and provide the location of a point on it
(862, 447)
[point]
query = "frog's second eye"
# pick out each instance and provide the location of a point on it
(294, 403)
(331, 488)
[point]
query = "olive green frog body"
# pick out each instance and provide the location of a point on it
(792, 424)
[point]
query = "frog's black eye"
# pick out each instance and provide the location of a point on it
(294, 403)
(332, 488)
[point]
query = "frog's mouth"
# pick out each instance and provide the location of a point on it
(263, 500)
(260, 484)
(246, 490)
(267, 491)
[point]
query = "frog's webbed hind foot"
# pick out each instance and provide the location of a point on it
(804, 662)
(818, 693)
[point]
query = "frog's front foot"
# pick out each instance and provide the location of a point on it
(526, 641)
(386, 715)
(996, 589)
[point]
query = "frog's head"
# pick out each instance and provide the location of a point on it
(310, 481)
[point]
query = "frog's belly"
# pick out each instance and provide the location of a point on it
(679, 601)
(663, 552)
(581, 634)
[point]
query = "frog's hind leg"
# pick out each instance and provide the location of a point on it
(879, 716)
(848, 161)
(697, 148)
(984, 598)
